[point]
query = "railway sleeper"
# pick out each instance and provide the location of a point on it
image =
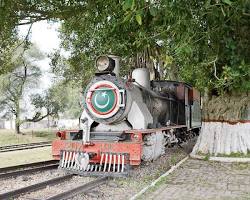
(111, 164)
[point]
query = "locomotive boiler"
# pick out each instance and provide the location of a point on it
(126, 121)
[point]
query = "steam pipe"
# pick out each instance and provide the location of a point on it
(154, 94)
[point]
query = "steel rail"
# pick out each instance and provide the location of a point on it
(34, 187)
(79, 190)
(23, 146)
(27, 171)
(36, 164)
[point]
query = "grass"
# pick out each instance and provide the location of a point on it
(48, 134)
(8, 137)
(241, 166)
(231, 155)
(25, 156)
(207, 157)
(152, 189)
(235, 155)
(173, 160)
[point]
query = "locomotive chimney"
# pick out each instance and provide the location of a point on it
(117, 64)
(141, 77)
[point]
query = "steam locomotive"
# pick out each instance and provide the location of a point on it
(127, 121)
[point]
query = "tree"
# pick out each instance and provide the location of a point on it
(182, 36)
(69, 94)
(60, 100)
(205, 42)
(25, 77)
(47, 104)
(25, 12)
(13, 84)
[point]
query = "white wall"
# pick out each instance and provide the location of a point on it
(68, 123)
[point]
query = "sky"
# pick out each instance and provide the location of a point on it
(46, 37)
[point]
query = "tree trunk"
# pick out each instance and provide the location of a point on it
(17, 122)
(17, 127)
(226, 126)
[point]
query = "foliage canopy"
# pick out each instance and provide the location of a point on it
(206, 43)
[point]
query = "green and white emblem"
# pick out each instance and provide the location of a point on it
(103, 100)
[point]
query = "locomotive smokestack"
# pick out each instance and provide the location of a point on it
(117, 64)
(141, 77)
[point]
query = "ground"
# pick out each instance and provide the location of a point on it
(8, 137)
(25, 156)
(199, 179)
(194, 179)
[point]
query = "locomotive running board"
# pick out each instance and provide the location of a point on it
(111, 164)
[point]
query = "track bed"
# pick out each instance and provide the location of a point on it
(18, 147)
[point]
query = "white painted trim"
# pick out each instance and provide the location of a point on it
(158, 179)
(221, 159)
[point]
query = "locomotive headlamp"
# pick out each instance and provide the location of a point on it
(105, 63)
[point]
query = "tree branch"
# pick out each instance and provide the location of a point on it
(247, 14)
(214, 65)
(33, 21)
(215, 69)
(38, 117)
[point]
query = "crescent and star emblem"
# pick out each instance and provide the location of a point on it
(104, 94)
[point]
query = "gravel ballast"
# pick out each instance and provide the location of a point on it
(26, 180)
(141, 176)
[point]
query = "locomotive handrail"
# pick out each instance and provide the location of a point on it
(153, 93)
(122, 100)
(107, 132)
(155, 129)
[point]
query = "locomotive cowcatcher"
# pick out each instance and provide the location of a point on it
(127, 121)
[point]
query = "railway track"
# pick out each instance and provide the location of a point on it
(17, 147)
(64, 195)
(27, 168)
